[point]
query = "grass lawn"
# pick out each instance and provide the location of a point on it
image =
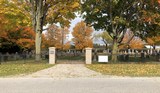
(16, 68)
(133, 69)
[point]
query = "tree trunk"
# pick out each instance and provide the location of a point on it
(38, 46)
(106, 46)
(114, 51)
(39, 27)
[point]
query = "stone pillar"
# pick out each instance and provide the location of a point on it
(88, 56)
(52, 55)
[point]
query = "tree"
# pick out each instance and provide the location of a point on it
(50, 11)
(13, 15)
(150, 19)
(26, 40)
(153, 41)
(64, 43)
(116, 16)
(82, 36)
(57, 37)
(135, 43)
(16, 33)
(17, 39)
(105, 38)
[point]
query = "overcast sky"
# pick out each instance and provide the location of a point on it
(73, 23)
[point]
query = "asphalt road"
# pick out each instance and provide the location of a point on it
(80, 85)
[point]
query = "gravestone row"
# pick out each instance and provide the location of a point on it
(125, 55)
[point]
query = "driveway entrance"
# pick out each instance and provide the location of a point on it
(71, 56)
(56, 56)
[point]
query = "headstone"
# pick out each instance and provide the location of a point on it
(16, 56)
(142, 54)
(108, 51)
(145, 54)
(129, 51)
(132, 52)
(126, 56)
(148, 51)
(151, 52)
(7, 56)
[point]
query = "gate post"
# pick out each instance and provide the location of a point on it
(52, 55)
(88, 56)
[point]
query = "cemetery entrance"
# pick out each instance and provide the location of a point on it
(71, 56)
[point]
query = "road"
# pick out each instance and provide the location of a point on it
(80, 85)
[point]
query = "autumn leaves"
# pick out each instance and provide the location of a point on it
(15, 28)
(58, 37)
(82, 36)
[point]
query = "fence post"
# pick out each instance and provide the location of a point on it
(88, 56)
(52, 57)
(95, 55)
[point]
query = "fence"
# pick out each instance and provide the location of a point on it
(71, 54)
(20, 57)
(123, 56)
(129, 55)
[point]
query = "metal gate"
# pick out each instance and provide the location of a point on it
(71, 56)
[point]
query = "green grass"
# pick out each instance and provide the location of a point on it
(19, 67)
(133, 69)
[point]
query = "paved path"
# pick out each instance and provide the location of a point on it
(80, 85)
(65, 71)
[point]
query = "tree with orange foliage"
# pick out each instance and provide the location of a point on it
(134, 43)
(82, 36)
(15, 40)
(27, 38)
(57, 37)
(1, 28)
(16, 33)
(153, 41)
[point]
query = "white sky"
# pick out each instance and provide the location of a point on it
(73, 23)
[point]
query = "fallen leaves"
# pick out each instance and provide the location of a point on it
(148, 70)
(8, 69)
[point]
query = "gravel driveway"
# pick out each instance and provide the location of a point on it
(65, 71)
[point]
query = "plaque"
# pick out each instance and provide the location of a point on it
(51, 52)
(102, 58)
